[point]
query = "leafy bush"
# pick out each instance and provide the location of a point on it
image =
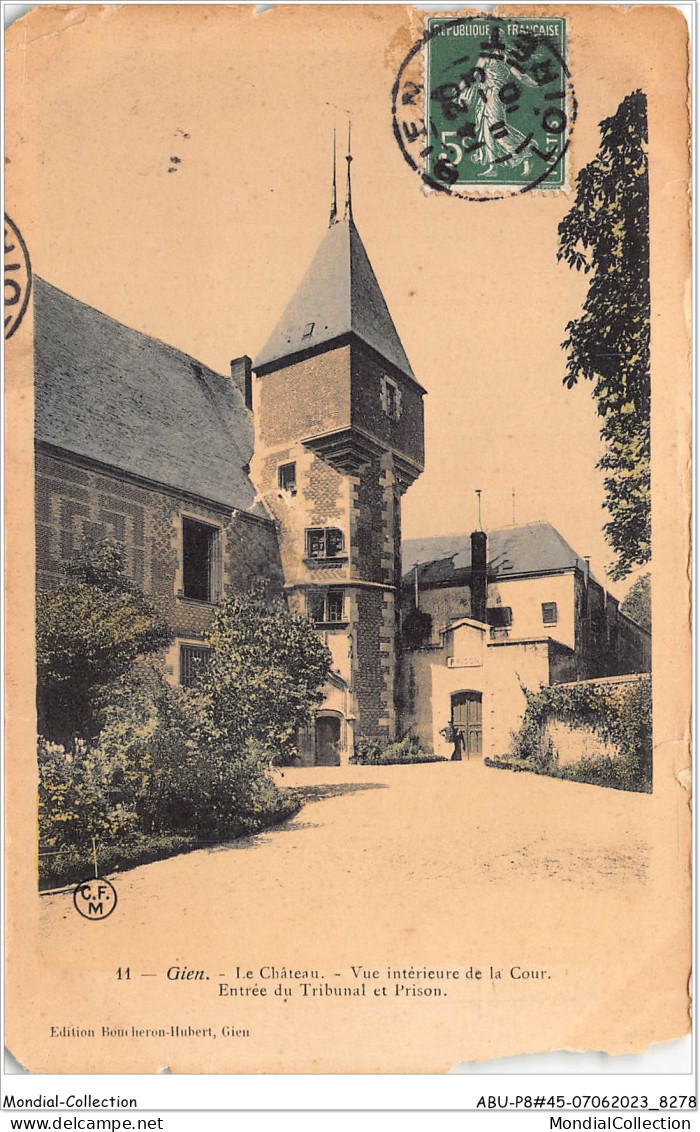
(143, 764)
(75, 800)
(264, 676)
(90, 630)
(177, 780)
(146, 778)
(368, 752)
(620, 714)
(69, 865)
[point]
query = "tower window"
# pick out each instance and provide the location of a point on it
(326, 607)
(549, 613)
(391, 399)
(287, 478)
(193, 661)
(324, 542)
(199, 544)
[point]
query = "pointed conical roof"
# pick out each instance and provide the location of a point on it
(339, 294)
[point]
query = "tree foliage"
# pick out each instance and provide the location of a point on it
(606, 232)
(637, 604)
(90, 630)
(265, 673)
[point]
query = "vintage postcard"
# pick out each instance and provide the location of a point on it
(347, 520)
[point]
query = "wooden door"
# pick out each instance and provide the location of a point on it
(466, 718)
(327, 741)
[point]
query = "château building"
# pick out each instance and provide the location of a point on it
(293, 469)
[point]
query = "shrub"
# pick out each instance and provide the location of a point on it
(152, 761)
(90, 630)
(264, 676)
(76, 802)
(72, 864)
(368, 752)
(147, 784)
(177, 780)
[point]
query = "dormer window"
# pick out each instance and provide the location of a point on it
(324, 542)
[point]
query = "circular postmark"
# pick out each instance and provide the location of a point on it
(18, 277)
(483, 107)
(95, 898)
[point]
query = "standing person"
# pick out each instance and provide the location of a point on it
(458, 746)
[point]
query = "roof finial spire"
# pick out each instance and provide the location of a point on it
(348, 198)
(334, 200)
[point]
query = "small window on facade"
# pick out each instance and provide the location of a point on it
(193, 661)
(549, 612)
(198, 552)
(334, 605)
(417, 629)
(500, 618)
(287, 478)
(308, 329)
(325, 607)
(324, 542)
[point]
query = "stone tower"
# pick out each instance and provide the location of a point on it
(339, 437)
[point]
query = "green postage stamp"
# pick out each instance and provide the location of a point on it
(484, 106)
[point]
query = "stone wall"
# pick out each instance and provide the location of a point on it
(573, 743)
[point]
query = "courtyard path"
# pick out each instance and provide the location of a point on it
(450, 865)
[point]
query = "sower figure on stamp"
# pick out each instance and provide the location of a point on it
(499, 142)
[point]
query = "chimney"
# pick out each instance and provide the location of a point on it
(479, 576)
(242, 378)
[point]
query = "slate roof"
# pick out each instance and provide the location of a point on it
(115, 395)
(339, 294)
(536, 548)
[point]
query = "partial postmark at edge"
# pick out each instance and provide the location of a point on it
(18, 277)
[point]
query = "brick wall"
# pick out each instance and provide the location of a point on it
(303, 398)
(373, 680)
(78, 503)
(404, 434)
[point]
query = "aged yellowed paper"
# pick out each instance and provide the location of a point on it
(396, 808)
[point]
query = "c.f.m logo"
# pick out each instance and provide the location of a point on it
(95, 899)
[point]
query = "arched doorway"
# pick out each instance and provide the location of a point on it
(327, 741)
(466, 718)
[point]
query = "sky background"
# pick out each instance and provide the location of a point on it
(206, 257)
